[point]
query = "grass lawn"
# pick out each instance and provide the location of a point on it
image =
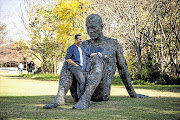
(24, 98)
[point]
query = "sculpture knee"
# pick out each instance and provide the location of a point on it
(83, 83)
(102, 92)
(97, 64)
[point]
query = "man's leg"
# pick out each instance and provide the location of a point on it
(20, 72)
(93, 80)
(78, 73)
(65, 83)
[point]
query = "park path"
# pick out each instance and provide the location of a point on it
(18, 86)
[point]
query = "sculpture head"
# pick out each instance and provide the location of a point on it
(94, 26)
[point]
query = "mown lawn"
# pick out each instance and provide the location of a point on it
(24, 98)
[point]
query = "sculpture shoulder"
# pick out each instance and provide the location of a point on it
(114, 42)
(117, 46)
(86, 42)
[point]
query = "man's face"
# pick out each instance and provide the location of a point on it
(79, 40)
(93, 29)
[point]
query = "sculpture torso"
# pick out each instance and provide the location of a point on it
(108, 48)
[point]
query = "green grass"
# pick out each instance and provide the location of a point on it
(49, 77)
(117, 80)
(24, 98)
(169, 88)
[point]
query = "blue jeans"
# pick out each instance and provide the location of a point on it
(78, 73)
(20, 72)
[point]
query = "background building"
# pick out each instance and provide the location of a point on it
(10, 57)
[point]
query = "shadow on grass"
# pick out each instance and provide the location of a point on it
(168, 88)
(118, 107)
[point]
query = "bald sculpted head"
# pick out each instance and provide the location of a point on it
(94, 26)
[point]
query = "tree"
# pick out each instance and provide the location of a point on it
(128, 21)
(53, 29)
(169, 24)
(43, 44)
(3, 33)
(71, 17)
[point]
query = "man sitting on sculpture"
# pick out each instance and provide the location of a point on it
(76, 59)
(99, 70)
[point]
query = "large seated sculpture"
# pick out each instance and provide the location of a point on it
(99, 71)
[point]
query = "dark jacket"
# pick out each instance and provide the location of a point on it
(73, 54)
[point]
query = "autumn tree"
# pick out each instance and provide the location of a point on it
(128, 21)
(3, 33)
(71, 17)
(53, 29)
(168, 36)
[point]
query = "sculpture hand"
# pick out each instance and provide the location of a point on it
(139, 96)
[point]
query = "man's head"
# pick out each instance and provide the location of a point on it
(94, 26)
(78, 39)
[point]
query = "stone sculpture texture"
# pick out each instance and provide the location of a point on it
(99, 71)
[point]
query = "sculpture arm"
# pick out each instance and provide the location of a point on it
(124, 73)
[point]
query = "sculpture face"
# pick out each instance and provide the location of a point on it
(94, 30)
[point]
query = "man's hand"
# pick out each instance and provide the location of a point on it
(76, 65)
(72, 62)
(99, 54)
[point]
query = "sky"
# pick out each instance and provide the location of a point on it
(10, 12)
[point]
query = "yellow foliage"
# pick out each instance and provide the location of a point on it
(71, 20)
(57, 25)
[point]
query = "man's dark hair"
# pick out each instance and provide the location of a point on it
(76, 36)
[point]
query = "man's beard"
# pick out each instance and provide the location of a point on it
(80, 43)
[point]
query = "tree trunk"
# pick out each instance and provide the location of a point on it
(139, 63)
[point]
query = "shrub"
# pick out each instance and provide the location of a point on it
(140, 82)
(42, 76)
(117, 80)
(150, 72)
(166, 79)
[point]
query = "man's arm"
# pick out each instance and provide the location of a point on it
(124, 73)
(89, 53)
(98, 53)
(69, 55)
(72, 62)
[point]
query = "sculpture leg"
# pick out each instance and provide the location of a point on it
(65, 83)
(102, 92)
(93, 80)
